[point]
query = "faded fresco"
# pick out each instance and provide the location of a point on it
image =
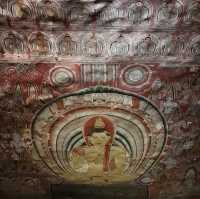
(96, 135)
(100, 93)
(87, 140)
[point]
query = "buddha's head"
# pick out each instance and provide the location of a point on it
(100, 131)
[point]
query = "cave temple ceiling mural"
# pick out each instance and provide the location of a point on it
(100, 93)
(99, 137)
(71, 31)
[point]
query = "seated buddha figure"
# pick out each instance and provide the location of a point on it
(146, 46)
(98, 156)
(94, 46)
(40, 45)
(21, 10)
(51, 13)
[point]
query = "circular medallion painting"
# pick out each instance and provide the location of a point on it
(99, 136)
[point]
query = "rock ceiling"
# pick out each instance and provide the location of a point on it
(65, 31)
(100, 92)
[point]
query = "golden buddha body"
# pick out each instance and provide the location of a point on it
(99, 156)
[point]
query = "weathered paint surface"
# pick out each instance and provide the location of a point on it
(118, 56)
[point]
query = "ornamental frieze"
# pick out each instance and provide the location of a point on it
(34, 82)
(98, 46)
(84, 14)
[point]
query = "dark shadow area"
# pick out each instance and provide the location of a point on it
(68, 191)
